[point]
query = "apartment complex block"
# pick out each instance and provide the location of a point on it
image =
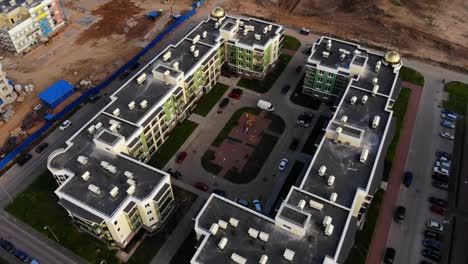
(104, 183)
(330, 68)
(24, 23)
(7, 93)
(317, 221)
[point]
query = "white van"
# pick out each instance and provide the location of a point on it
(264, 105)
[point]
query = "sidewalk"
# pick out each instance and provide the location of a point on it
(379, 240)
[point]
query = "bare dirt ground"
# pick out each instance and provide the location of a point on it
(101, 36)
(436, 30)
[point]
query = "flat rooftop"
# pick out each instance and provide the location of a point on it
(259, 26)
(333, 61)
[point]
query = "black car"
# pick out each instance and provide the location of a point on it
(432, 235)
(176, 174)
(219, 192)
(440, 185)
(304, 119)
(408, 179)
(444, 154)
(298, 69)
(135, 66)
(7, 245)
(431, 254)
(224, 103)
(400, 214)
(438, 201)
(124, 75)
(41, 147)
(440, 177)
(294, 144)
(94, 97)
(23, 158)
(285, 89)
(389, 255)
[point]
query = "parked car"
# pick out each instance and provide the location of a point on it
(41, 147)
(432, 235)
(445, 154)
(389, 255)
(201, 186)
(176, 174)
(444, 159)
(441, 170)
(304, 119)
(285, 89)
(430, 254)
(440, 177)
(135, 66)
(408, 179)
(65, 124)
(124, 75)
(265, 105)
(219, 192)
(431, 244)
(442, 164)
(241, 202)
(21, 256)
(440, 185)
(283, 164)
(224, 103)
(298, 69)
(181, 157)
(438, 210)
(434, 225)
(294, 144)
(23, 158)
(304, 31)
(257, 205)
(236, 93)
(448, 124)
(400, 214)
(35, 261)
(94, 97)
(447, 135)
(438, 201)
(449, 114)
(7, 245)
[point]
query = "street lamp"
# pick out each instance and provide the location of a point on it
(50, 229)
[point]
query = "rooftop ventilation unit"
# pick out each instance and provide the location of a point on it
(345, 52)
(263, 259)
(204, 34)
(167, 56)
(131, 105)
(91, 129)
(263, 236)
(376, 121)
(222, 243)
(329, 44)
(375, 81)
(316, 205)
(143, 104)
(377, 66)
(113, 193)
(217, 24)
(166, 77)
(339, 130)
(344, 119)
(270, 27)
(131, 189)
(327, 221)
(13, 2)
(250, 27)
(85, 176)
(104, 164)
(222, 224)
(325, 54)
(128, 174)
(192, 48)
(333, 197)
(112, 169)
(116, 112)
(364, 99)
(115, 125)
(353, 100)
(238, 258)
(253, 233)
(98, 126)
(301, 204)
(245, 32)
(131, 182)
(375, 89)
(234, 222)
(241, 23)
(329, 230)
(214, 229)
(357, 52)
(265, 30)
(196, 53)
(364, 154)
(289, 254)
(258, 37)
(342, 57)
(82, 160)
(141, 79)
(175, 65)
(196, 39)
(331, 180)
(94, 189)
(322, 170)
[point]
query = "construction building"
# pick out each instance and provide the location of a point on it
(24, 23)
(7, 93)
(104, 183)
(317, 221)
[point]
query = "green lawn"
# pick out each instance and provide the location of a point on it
(411, 75)
(232, 123)
(151, 244)
(399, 111)
(291, 43)
(209, 166)
(358, 253)
(458, 97)
(37, 207)
(176, 139)
(210, 99)
(263, 86)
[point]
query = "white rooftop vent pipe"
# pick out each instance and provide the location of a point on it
(258, 37)
(245, 32)
(166, 77)
(322, 170)
(265, 30)
(344, 119)
(104, 164)
(316, 205)
(98, 126)
(204, 34)
(91, 129)
(339, 130)
(364, 154)
(112, 169)
(342, 57)
(143, 104)
(263, 259)
(301, 204)
(333, 197)
(270, 27)
(222, 224)
(376, 121)
(131, 182)
(113, 193)
(167, 56)
(329, 230)
(329, 44)
(116, 112)
(192, 48)
(375, 89)
(196, 53)
(85, 176)
(331, 180)
(264, 236)
(94, 189)
(327, 221)
(375, 81)
(128, 174)
(131, 105)
(364, 99)
(176, 65)
(356, 52)
(234, 222)
(141, 79)
(131, 189)
(377, 66)
(196, 39)
(82, 160)
(222, 243)
(214, 229)
(217, 24)
(253, 233)
(325, 54)
(289, 254)
(353, 100)
(238, 258)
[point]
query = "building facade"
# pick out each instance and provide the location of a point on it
(25, 23)
(104, 183)
(7, 93)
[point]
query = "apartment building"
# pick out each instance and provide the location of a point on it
(317, 221)
(24, 23)
(7, 93)
(330, 68)
(104, 183)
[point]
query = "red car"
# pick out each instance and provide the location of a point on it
(438, 210)
(236, 93)
(181, 157)
(201, 186)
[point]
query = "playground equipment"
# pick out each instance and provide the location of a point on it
(249, 122)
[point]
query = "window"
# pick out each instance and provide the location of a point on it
(149, 212)
(330, 74)
(318, 86)
(147, 205)
(115, 222)
(247, 59)
(329, 82)
(118, 229)
(319, 80)
(248, 51)
(321, 72)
